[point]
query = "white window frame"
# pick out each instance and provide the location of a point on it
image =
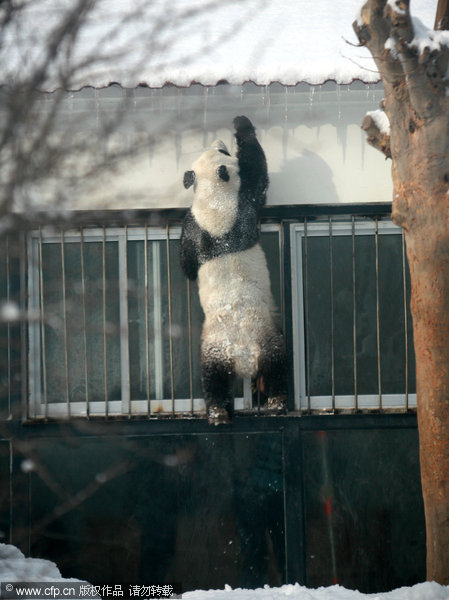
(38, 406)
(339, 402)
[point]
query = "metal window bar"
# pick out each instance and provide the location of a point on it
(306, 315)
(189, 342)
(42, 325)
(124, 324)
(147, 322)
(332, 332)
(404, 284)
(83, 300)
(64, 317)
(354, 317)
(258, 379)
(379, 374)
(170, 322)
(11, 330)
(157, 321)
(23, 333)
(8, 325)
(105, 323)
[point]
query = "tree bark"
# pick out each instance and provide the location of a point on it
(418, 110)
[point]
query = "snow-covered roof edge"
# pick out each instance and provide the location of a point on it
(181, 42)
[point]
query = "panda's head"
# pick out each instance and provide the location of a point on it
(216, 183)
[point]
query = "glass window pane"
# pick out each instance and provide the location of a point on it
(153, 327)
(4, 328)
(319, 314)
(269, 240)
(331, 315)
(70, 326)
(392, 318)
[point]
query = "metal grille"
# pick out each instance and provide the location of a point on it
(100, 321)
(11, 315)
(119, 327)
(351, 294)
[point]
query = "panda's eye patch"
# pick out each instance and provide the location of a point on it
(222, 173)
(224, 152)
(189, 179)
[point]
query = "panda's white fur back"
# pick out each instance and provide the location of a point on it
(215, 203)
(239, 310)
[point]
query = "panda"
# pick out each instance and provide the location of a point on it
(220, 247)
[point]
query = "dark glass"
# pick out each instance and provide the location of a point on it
(93, 301)
(322, 306)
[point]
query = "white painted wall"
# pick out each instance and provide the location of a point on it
(315, 148)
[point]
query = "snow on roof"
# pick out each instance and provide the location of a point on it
(202, 41)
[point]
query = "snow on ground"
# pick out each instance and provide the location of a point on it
(181, 41)
(421, 591)
(15, 567)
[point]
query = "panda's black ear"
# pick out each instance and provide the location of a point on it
(189, 179)
(222, 173)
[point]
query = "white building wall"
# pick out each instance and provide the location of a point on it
(316, 150)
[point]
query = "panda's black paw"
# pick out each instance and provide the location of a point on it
(243, 127)
(276, 405)
(218, 415)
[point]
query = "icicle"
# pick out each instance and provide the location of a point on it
(178, 147)
(205, 107)
(206, 99)
(342, 137)
(286, 105)
(363, 141)
(285, 141)
(267, 102)
(70, 103)
(97, 105)
(311, 95)
(150, 150)
(179, 99)
(338, 92)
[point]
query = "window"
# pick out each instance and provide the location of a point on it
(353, 344)
(10, 314)
(117, 326)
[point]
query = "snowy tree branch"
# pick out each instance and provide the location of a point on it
(377, 135)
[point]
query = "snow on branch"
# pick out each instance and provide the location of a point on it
(377, 128)
(373, 31)
(412, 59)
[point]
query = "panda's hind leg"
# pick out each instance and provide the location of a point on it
(273, 370)
(217, 376)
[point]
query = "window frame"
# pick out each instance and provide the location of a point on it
(304, 402)
(38, 405)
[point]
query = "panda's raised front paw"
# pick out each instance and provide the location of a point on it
(243, 126)
(218, 415)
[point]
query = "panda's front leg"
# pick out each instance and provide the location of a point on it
(217, 374)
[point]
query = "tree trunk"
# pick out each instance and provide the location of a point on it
(430, 309)
(418, 111)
